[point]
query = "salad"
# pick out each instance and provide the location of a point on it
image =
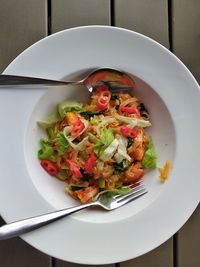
(97, 146)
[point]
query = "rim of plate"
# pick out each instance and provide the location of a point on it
(158, 235)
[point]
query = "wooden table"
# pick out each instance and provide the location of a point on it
(173, 23)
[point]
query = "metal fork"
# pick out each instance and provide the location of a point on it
(105, 200)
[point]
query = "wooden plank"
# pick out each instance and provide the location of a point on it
(22, 23)
(59, 263)
(189, 242)
(16, 252)
(72, 13)
(149, 17)
(186, 33)
(159, 257)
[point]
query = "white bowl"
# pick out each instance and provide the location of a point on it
(52, 190)
(170, 93)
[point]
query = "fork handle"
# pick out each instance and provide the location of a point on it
(26, 225)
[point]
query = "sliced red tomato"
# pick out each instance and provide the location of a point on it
(77, 128)
(91, 162)
(130, 110)
(128, 132)
(103, 100)
(74, 168)
(50, 167)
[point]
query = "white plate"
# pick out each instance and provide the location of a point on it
(172, 96)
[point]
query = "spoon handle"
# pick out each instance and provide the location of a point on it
(24, 226)
(9, 80)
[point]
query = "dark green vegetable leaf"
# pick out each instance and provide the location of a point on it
(143, 111)
(130, 142)
(121, 167)
(87, 115)
(86, 177)
(114, 97)
(142, 108)
(76, 187)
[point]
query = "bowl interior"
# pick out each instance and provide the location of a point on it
(52, 190)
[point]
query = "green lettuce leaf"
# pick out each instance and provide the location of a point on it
(51, 133)
(149, 160)
(46, 151)
(49, 121)
(106, 138)
(61, 144)
(70, 106)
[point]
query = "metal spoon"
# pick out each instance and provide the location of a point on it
(116, 78)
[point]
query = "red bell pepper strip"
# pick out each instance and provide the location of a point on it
(91, 162)
(50, 167)
(103, 100)
(130, 110)
(77, 128)
(128, 132)
(74, 169)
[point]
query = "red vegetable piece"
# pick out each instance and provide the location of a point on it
(130, 110)
(103, 100)
(91, 162)
(128, 132)
(50, 167)
(78, 127)
(133, 174)
(74, 168)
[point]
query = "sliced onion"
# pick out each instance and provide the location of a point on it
(110, 150)
(122, 150)
(100, 164)
(129, 101)
(133, 121)
(80, 146)
(105, 121)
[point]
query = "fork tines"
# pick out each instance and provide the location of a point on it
(135, 192)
